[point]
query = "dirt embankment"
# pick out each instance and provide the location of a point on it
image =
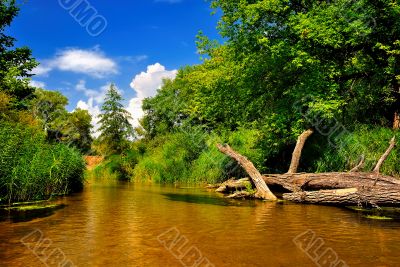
(93, 161)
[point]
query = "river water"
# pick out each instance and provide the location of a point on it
(122, 224)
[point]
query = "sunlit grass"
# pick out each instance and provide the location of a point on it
(33, 169)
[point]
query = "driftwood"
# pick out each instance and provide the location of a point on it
(330, 180)
(334, 188)
(241, 194)
(262, 189)
(233, 185)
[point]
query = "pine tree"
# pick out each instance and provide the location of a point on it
(114, 123)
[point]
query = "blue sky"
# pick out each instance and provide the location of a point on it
(142, 42)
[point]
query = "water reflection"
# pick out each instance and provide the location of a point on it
(207, 200)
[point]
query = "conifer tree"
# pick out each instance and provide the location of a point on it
(114, 123)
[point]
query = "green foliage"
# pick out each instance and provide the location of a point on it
(75, 128)
(286, 66)
(114, 123)
(71, 128)
(15, 63)
(365, 140)
(168, 158)
(48, 107)
(32, 169)
(191, 156)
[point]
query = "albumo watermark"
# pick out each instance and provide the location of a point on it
(178, 245)
(44, 249)
(315, 248)
(86, 15)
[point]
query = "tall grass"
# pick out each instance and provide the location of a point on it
(191, 156)
(365, 140)
(32, 169)
(175, 158)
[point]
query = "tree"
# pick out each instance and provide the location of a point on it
(75, 128)
(16, 64)
(72, 128)
(116, 131)
(48, 107)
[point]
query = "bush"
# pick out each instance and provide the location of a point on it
(32, 169)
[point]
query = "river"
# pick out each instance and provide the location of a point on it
(125, 224)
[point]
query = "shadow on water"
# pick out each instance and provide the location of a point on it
(380, 214)
(208, 200)
(28, 213)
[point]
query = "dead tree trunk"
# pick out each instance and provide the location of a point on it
(371, 196)
(262, 189)
(315, 181)
(294, 165)
(335, 188)
(385, 155)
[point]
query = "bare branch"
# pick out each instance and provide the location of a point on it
(360, 165)
(294, 165)
(385, 155)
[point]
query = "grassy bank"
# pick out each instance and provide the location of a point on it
(191, 157)
(33, 169)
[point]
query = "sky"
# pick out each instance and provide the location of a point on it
(85, 45)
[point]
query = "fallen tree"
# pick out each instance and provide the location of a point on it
(369, 196)
(257, 179)
(313, 181)
(334, 188)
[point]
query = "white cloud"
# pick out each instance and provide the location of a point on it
(96, 95)
(37, 84)
(41, 70)
(146, 85)
(92, 62)
(94, 111)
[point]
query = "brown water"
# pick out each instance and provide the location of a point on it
(118, 224)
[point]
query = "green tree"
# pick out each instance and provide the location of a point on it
(116, 131)
(332, 58)
(49, 107)
(72, 128)
(16, 64)
(75, 128)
